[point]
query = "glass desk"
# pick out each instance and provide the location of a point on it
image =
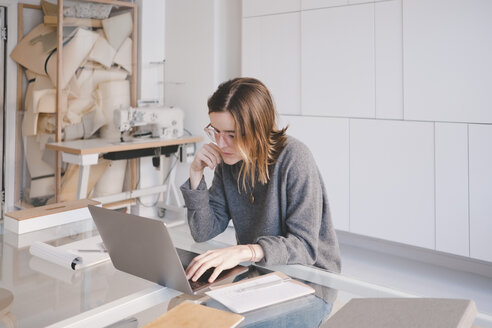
(98, 296)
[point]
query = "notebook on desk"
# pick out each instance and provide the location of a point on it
(143, 247)
(251, 294)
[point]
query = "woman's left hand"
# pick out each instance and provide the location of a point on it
(222, 259)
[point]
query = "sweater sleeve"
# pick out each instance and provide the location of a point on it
(303, 192)
(208, 214)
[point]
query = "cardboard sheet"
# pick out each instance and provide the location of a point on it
(124, 55)
(117, 29)
(74, 53)
(102, 52)
(32, 56)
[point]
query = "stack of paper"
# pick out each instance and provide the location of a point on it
(259, 292)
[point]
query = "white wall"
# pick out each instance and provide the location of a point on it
(397, 90)
(202, 50)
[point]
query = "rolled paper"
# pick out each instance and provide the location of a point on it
(124, 55)
(54, 254)
(117, 29)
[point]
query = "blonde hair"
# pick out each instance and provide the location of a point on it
(257, 137)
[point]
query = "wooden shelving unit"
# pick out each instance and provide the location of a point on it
(70, 21)
(59, 102)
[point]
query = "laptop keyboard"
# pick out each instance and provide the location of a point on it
(203, 280)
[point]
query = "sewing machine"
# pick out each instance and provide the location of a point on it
(164, 122)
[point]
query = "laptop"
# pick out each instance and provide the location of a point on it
(143, 247)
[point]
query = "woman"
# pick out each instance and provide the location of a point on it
(265, 182)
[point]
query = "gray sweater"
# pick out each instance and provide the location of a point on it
(289, 218)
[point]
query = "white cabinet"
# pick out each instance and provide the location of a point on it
(338, 61)
(480, 143)
(389, 60)
(262, 7)
(448, 67)
(452, 221)
(392, 181)
(271, 53)
(328, 140)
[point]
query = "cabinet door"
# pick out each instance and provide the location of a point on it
(452, 221)
(327, 138)
(389, 60)
(338, 61)
(392, 181)
(447, 68)
(480, 144)
(262, 7)
(271, 53)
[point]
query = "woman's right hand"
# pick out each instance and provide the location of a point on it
(208, 156)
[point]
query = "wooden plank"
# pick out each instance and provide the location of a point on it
(73, 21)
(20, 35)
(50, 209)
(59, 110)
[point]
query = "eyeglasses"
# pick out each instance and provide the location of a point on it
(214, 135)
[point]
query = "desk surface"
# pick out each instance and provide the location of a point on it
(101, 295)
(98, 146)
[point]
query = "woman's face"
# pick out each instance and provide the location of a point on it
(224, 127)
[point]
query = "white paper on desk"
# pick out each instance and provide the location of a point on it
(57, 272)
(54, 254)
(88, 258)
(66, 254)
(240, 301)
